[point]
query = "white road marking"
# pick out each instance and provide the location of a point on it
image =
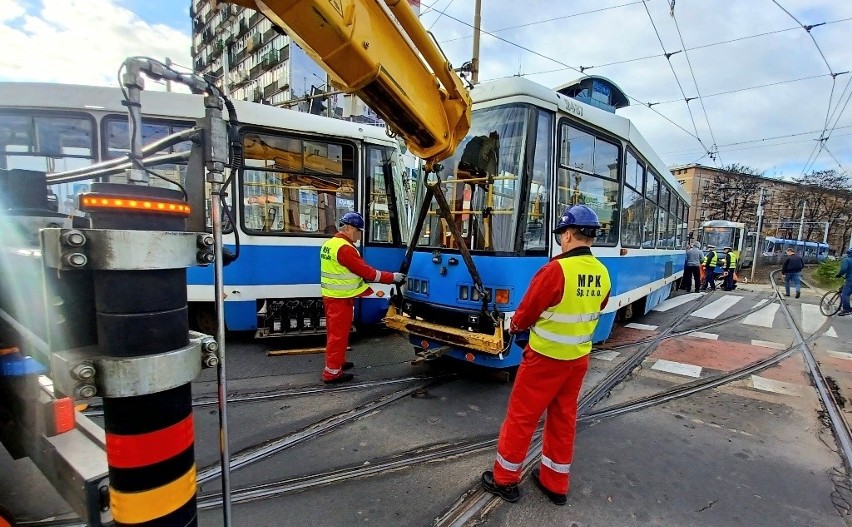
(763, 318)
(812, 319)
(762, 301)
(845, 355)
(769, 344)
(605, 355)
(718, 307)
(672, 303)
(770, 385)
(678, 368)
(643, 327)
(831, 333)
(702, 335)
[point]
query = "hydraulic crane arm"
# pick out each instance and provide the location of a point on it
(379, 51)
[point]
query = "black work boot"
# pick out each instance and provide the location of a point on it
(555, 497)
(509, 493)
(348, 365)
(797, 294)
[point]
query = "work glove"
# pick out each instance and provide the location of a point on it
(398, 278)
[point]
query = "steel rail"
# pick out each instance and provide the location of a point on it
(476, 502)
(392, 463)
(96, 410)
(838, 424)
(264, 450)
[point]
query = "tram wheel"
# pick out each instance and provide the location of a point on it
(202, 317)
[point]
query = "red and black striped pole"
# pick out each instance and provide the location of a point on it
(150, 435)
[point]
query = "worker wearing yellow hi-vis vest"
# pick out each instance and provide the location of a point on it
(561, 310)
(710, 261)
(343, 278)
(730, 269)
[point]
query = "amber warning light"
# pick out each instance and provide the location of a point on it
(116, 203)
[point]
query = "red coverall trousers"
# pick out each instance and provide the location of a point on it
(542, 383)
(338, 323)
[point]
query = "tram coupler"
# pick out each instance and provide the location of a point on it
(428, 355)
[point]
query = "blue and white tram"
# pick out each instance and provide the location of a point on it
(531, 152)
(300, 173)
(811, 251)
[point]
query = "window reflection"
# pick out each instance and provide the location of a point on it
(294, 186)
(588, 175)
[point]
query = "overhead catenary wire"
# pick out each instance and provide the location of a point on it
(677, 80)
(568, 66)
(695, 82)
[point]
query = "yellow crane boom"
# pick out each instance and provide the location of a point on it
(379, 51)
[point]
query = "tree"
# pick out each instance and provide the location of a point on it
(826, 196)
(733, 194)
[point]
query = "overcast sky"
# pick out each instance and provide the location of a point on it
(770, 128)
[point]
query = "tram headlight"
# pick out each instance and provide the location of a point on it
(502, 296)
(464, 292)
(424, 287)
(474, 294)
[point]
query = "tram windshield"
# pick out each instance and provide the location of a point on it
(484, 184)
(720, 237)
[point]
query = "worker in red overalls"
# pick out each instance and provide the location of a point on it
(561, 310)
(343, 278)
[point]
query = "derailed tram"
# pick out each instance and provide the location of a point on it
(530, 153)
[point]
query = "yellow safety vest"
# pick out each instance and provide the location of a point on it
(733, 256)
(336, 280)
(565, 330)
(712, 262)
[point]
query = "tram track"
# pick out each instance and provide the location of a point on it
(96, 410)
(253, 454)
(836, 420)
(475, 504)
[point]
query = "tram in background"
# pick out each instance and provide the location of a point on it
(723, 233)
(531, 152)
(300, 173)
(810, 251)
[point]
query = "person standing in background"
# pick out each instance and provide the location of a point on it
(692, 268)
(791, 271)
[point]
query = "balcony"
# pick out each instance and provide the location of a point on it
(269, 90)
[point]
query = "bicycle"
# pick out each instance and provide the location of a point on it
(829, 304)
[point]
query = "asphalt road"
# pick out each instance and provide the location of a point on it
(752, 452)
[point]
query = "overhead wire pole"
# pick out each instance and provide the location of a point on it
(474, 63)
(759, 230)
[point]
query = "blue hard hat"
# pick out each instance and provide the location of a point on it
(577, 216)
(354, 219)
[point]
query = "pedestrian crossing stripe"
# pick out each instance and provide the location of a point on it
(839, 354)
(702, 335)
(605, 355)
(831, 333)
(713, 310)
(812, 319)
(771, 385)
(643, 327)
(769, 344)
(763, 317)
(678, 368)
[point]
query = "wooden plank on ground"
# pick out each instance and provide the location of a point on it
(298, 351)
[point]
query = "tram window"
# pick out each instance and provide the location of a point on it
(385, 203)
(536, 235)
(578, 149)
(117, 144)
(606, 159)
(649, 228)
(651, 186)
(634, 173)
(49, 142)
(294, 186)
(599, 194)
(631, 218)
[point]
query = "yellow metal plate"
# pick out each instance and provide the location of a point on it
(491, 344)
